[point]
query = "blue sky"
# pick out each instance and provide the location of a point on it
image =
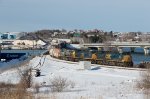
(115, 15)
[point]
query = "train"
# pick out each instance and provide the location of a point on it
(96, 57)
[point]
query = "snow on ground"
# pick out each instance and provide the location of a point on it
(97, 83)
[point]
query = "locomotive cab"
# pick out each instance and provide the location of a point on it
(127, 60)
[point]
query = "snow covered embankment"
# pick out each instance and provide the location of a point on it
(97, 83)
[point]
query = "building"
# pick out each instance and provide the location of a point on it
(10, 35)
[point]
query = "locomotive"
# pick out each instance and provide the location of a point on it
(96, 57)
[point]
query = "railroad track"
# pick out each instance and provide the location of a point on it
(106, 66)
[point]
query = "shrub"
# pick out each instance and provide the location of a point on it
(5, 85)
(17, 91)
(26, 78)
(58, 84)
(72, 84)
(145, 82)
(37, 88)
(12, 91)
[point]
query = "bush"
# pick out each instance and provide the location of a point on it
(12, 91)
(17, 91)
(72, 84)
(5, 85)
(37, 88)
(26, 78)
(145, 82)
(58, 84)
(144, 65)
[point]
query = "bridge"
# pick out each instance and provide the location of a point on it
(120, 46)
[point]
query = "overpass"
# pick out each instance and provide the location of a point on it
(120, 46)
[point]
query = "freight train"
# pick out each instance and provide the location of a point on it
(96, 57)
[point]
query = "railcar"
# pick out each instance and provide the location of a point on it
(102, 58)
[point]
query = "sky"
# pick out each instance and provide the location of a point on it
(107, 15)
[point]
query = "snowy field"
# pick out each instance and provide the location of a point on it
(97, 83)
